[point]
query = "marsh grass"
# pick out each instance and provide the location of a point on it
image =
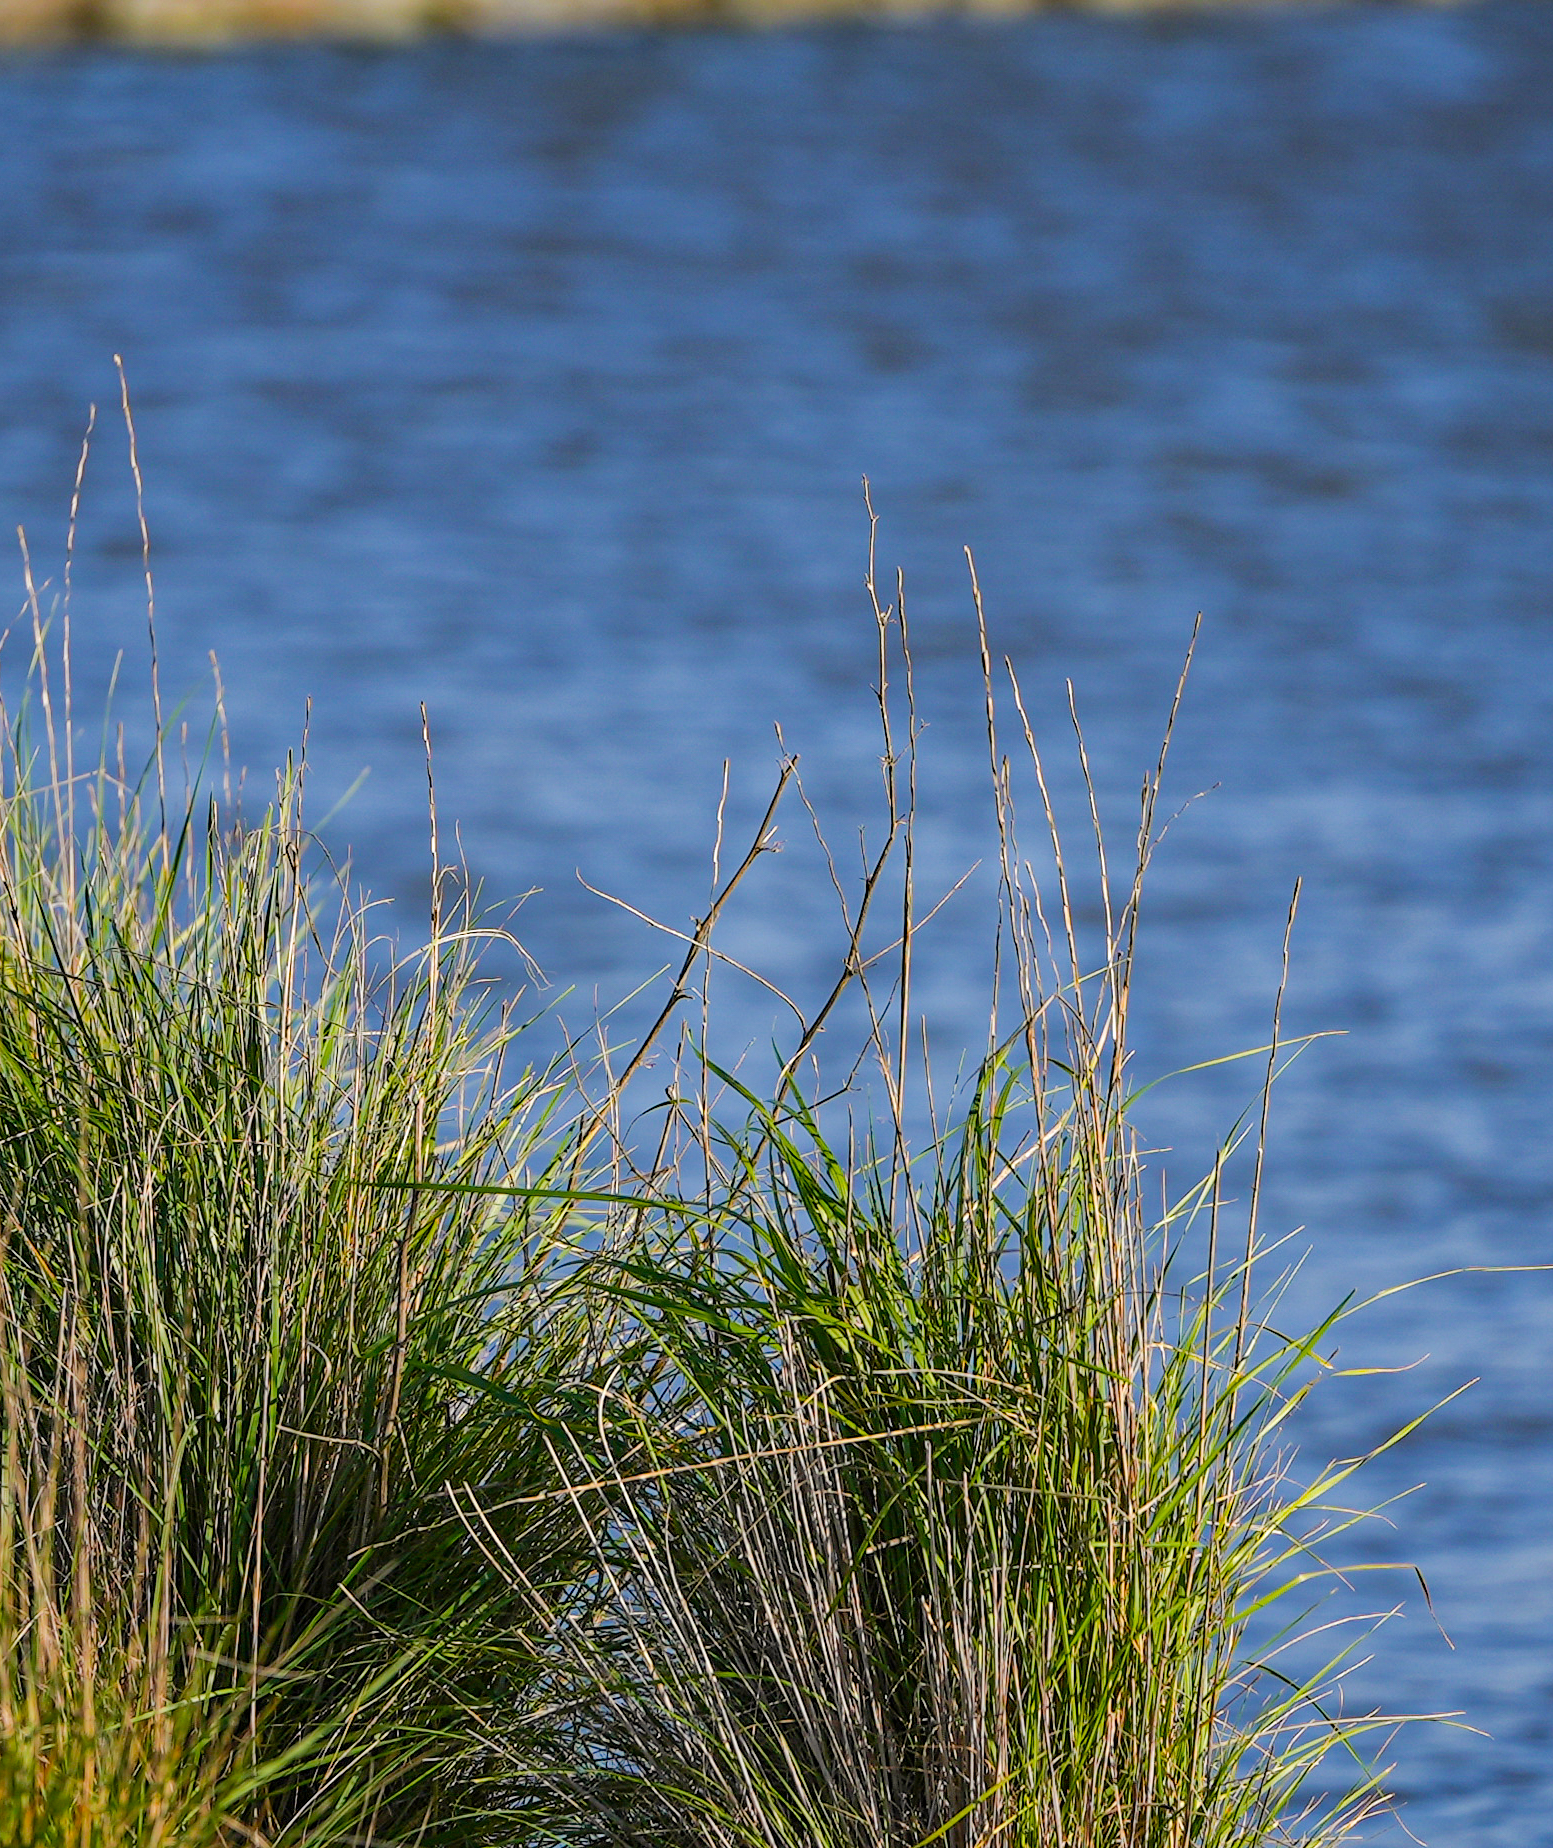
(405, 1443)
(235, 1601)
(968, 1520)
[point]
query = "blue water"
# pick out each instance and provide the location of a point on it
(537, 381)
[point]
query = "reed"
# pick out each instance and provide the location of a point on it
(236, 1603)
(965, 1519)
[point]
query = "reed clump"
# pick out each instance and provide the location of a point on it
(966, 1520)
(236, 1602)
(401, 1444)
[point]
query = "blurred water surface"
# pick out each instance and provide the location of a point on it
(537, 381)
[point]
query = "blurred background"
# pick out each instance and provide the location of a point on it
(537, 379)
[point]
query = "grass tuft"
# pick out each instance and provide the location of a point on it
(400, 1447)
(236, 1602)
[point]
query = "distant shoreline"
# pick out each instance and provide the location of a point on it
(193, 24)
